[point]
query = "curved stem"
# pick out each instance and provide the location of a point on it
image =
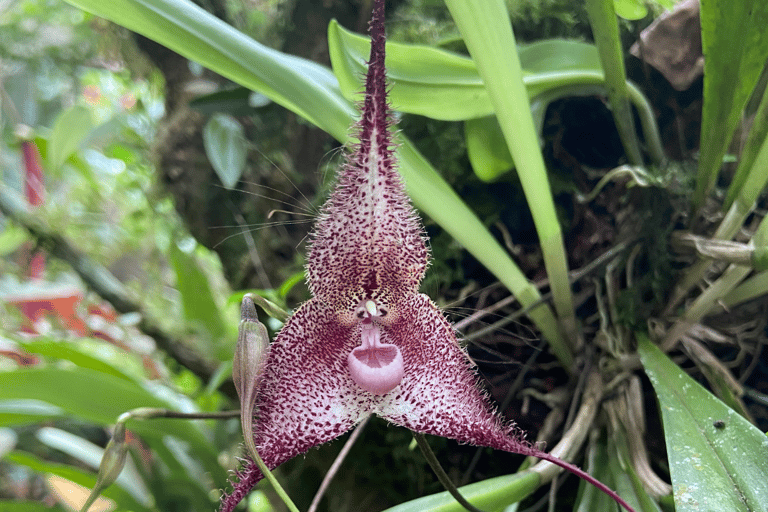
(440, 472)
(269, 476)
(337, 464)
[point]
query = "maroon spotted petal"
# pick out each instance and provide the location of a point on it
(368, 242)
(307, 397)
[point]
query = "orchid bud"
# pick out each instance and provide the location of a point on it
(247, 367)
(112, 463)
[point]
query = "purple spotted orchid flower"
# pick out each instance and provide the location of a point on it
(368, 342)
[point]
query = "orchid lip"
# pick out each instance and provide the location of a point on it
(375, 366)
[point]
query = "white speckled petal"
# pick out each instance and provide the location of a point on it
(439, 393)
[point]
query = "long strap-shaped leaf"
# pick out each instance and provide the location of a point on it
(487, 31)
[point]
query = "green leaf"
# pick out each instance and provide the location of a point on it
(735, 44)
(590, 498)
(226, 147)
(75, 352)
(20, 412)
(238, 101)
(100, 398)
(491, 495)
(70, 130)
(605, 461)
(713, 466)
(11, 238)
(447, 86)
(124, 500)
(486, 148)
(630, 9)
(486, 29)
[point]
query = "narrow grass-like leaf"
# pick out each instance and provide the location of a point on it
(487, 31)
(750, 176)
(21, 412)
(491, 495)
(590, 498)
(735, 45)
(602, 18)
(717, 459)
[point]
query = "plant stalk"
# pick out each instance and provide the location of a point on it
(602, 18)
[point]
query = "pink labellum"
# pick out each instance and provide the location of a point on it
(374, 366)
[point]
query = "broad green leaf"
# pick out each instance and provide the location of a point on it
(491, 495)
(714, 466)
(226, 147)
(70, 130)
(124, 500)
(100, 398)
(735, 45)
(312, 91)
(443, 85)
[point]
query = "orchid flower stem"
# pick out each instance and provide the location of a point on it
(440, 472)
(337, 464)
(268, 475)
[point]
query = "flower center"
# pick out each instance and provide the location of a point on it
(374, 366)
